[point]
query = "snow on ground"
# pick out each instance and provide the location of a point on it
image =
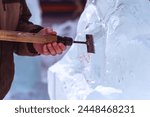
(120, 67)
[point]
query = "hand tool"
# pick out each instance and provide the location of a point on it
(16, 36)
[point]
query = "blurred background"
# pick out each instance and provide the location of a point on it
(30, 81)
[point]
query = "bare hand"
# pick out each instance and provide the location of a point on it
(49, 48)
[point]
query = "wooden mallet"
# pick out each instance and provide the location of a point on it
(16, 36)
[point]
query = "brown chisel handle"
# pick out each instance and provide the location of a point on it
(15, 36)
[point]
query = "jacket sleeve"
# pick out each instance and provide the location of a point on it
(24, 25)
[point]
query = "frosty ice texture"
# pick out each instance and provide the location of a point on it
(120, 67)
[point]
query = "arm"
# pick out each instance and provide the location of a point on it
(26, 26)
(35, 49)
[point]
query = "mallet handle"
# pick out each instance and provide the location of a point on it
(15, 36)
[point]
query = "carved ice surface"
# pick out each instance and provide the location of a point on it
(120, 69)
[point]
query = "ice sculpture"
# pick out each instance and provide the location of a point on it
(120, 67)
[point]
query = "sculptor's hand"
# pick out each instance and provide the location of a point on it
(49, 48)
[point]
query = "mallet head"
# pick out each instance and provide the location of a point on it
(90, 43)
(69, 41)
